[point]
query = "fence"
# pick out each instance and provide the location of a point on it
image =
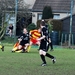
(65, 39)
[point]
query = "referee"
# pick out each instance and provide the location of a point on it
(43, 45)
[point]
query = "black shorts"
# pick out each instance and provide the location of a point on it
(43, 46)
(23, 43)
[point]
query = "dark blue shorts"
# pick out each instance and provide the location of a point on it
(23, 43)
(43, 46)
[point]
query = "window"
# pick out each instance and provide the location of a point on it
(39, 16)
(56, 16)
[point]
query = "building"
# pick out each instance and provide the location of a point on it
(60, 8)
(66, 29)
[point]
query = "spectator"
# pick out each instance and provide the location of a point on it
(10, 29)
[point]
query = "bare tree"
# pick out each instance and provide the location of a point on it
(8, 6)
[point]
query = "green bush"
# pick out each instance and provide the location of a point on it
(31, 26)
(47, 13)
(55, 25)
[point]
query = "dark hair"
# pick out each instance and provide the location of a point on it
(42, 23)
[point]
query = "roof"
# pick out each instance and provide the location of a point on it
(67, 17)
(56, 5)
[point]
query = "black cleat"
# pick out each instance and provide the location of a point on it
(44, 64)
(23, 51)
(13, 51)
(54, 60)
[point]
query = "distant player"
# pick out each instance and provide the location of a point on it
(49, 41)
(2, 47)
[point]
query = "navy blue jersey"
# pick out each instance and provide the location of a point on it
(44, 32)
(24, 37)
(11, 27)
(43, 44)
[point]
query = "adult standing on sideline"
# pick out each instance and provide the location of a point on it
(43, 44)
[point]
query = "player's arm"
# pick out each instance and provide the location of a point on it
(41, 38)
(20, 38)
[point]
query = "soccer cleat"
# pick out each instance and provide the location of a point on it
(2, 48)
(54, 60)
(13, 51)
(26, 51)
(43, 64)
(23, 51)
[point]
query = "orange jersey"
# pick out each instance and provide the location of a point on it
(35, 34)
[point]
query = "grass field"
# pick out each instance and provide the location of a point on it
(29, 63)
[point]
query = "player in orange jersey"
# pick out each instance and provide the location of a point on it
(2, 47)
(35, 34)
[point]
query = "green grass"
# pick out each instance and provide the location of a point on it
(29, 63)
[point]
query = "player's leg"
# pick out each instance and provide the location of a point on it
(26, 47)
(42, 58)
(2, 47)
(51, 45)
(42, 52)
(14, 49)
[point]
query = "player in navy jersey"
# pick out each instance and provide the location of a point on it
(49, 40)
(23, 41)
(43, 44)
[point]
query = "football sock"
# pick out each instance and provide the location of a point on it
(0, 46)
(14, 49)
(28, 49)
(51, 45)
(50, 56)
(43, 58)
(18, 51)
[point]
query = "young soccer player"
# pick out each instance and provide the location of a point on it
(43, 45)
(23, 41)
(35, 34)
